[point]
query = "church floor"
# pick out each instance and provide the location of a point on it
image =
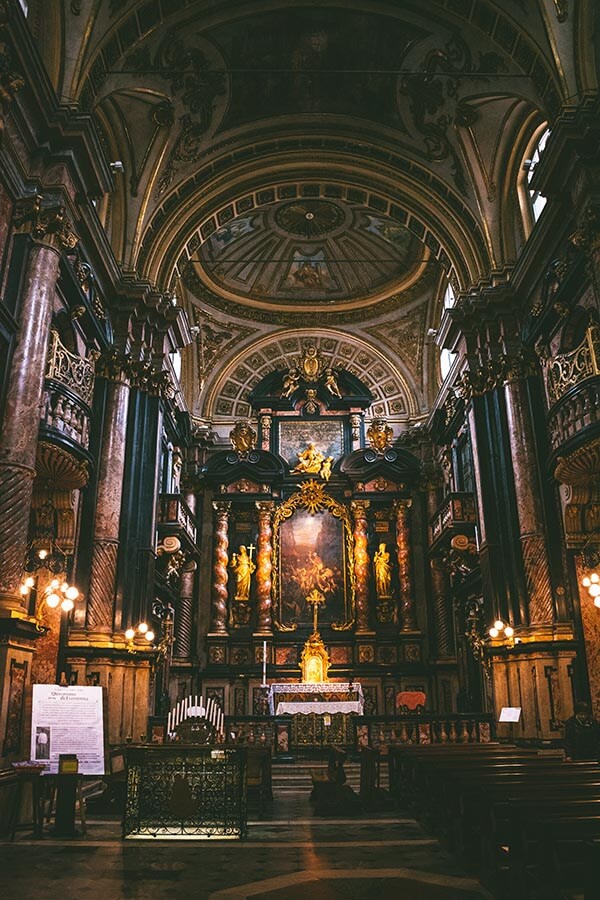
(288, 855)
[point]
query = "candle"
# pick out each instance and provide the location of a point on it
(264, 678)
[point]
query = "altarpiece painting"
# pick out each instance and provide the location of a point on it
(313, 549)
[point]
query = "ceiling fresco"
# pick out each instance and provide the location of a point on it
(324, 251)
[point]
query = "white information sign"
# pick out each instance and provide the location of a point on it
(68, 720)
(510, 714)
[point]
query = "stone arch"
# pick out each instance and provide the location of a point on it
(396, 395)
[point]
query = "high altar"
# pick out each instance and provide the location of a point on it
(317, 515)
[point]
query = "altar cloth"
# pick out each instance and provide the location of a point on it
(326, 697)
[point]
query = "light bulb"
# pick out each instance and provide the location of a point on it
(597, 602)
(42, 554)
(54, 583)
(493, 632)
(53, 600)
(499, 624)
(149, 636)
(142, 628)
(509, 631)
(29, 582)
(595, 590)
(130, 634)
(594, 578)
(64, 587)
(67, 605)
(586, 581)
(72, 593)
(24, 590)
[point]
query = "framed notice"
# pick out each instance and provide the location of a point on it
(68, 720)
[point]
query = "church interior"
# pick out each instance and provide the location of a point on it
(300, 448)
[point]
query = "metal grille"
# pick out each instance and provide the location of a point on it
(185, 792)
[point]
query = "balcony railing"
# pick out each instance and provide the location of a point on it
(567, 370)
(68, 369)
(174, 512)
(68, 390)
(456, 511)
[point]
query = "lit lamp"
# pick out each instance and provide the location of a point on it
(592, 583)
(57, 593)
(501, 630)
(143, 630)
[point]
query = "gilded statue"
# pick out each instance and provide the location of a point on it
(379, 435)
(309, 462)
(291, 380)
(331, 383)
(242, 437)
(244, 567)
(383, 572)
(325, 472)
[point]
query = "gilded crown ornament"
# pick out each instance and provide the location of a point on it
(242, 437)
(379, 435)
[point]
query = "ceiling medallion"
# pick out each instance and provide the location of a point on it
(309, 218)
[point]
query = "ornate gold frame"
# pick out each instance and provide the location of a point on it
(313, 497)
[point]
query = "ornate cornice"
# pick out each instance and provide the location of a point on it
(140, 374)
(48, 225)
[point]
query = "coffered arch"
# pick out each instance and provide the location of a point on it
(396, 394)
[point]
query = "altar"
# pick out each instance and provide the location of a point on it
(328, 697)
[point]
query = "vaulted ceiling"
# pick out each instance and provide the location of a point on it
(316, 170)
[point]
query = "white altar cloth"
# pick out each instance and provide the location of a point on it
(289, 699)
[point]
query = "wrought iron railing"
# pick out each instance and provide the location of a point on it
(189, 791)
(72, 371)
(172, 510)
(566, 370)
(457, 509)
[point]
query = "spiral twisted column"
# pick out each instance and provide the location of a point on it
(220, 574)
(405, 576)
(530, 510)
(184, 618)
(48, 233)
(264, 565)
(361, 563)
(111, 469)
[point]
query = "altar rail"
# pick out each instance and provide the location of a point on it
(428, 728)
(290, 734)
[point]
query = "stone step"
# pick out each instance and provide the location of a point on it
(296, 778)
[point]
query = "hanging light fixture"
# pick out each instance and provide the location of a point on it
(501, 630)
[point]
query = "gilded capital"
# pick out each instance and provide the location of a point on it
(359, 508)
(114, 366)
(49, 225)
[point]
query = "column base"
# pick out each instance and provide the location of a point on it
(536, 678)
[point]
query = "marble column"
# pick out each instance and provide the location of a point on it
(111, 469)
(361, 564)
(220, 574)
(529, 503)
(50, 234)
(184, 616)
(405, 577)
(264, 565)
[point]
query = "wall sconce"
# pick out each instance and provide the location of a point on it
(592, 583)
(57, 593)
(141, 630)
(501, 630)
